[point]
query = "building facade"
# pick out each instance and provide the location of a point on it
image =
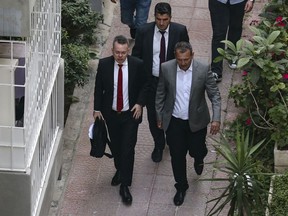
(31, 105)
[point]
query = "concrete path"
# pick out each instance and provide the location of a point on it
(85, 188)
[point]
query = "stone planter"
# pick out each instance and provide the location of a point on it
(270, 195)
(278, 190)
(280, 160)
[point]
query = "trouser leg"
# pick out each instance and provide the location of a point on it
(176, 135)
(142, 12)
(157, 134)
(219, 14)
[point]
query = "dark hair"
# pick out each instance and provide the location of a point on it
(162, 8)
(121, 40)
(183, 46)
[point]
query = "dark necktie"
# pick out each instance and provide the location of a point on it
(162, 49)
(120, 89)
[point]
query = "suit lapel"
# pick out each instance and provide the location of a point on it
(171, 38)
(173, 72)
(150, 37)
(110, 73)
(194, 77)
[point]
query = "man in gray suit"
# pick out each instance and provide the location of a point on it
(182, 112)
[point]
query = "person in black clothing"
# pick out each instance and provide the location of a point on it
(147, 47)
(119, 96)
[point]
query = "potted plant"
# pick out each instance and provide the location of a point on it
(263, 93)
(244, 191)
(278, 197)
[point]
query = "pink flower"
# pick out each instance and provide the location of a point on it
(244, 73)
(279, 21)
(248, 122)
(285, 76)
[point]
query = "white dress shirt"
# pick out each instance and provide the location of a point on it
(183, 89)
(124, 85)
(156, 49)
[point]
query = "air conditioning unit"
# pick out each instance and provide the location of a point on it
(15, 17)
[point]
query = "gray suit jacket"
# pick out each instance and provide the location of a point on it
(202, 80)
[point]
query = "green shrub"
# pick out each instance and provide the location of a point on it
(263, 92)
(244, 191)
(279, 201)
(76, 64)
(79, 22)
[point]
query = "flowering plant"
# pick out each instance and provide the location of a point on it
(263, 93)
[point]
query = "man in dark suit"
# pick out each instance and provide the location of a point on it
(118, 98)
(149, 40)
(183, 113)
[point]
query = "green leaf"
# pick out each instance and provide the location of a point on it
(230, 45)
(239, 44)
(258, 39)
(267, 23)
(255, 76)
(255, 30)
(243, 61)
(218, 58)
(249, 45)
(271, 38)
(259, 63)
(274, 88)
(221, 51)
(281, 85)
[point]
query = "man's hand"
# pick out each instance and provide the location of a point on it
(137, 109)
(215, 127)
(159, 124)
(248, 6)
(114, 1)
(97, 114)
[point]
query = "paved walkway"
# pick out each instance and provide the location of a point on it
(85, 188)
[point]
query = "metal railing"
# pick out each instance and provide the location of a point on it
(27, 147)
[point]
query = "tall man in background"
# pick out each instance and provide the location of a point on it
(154, 43)
(227, 18)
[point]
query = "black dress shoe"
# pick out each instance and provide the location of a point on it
(198, 166)
(126, 195)
(179, 197)
(157, 155)
(116, 180)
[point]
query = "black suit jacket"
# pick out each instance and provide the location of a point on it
(143, 47)
(104, 84)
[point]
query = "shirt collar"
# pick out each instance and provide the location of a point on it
(125, 63)
(158, 30)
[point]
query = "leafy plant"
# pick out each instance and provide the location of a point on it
(263, 93)
(79, 22)
(244, 191)
(76, 64)
(278, 205)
